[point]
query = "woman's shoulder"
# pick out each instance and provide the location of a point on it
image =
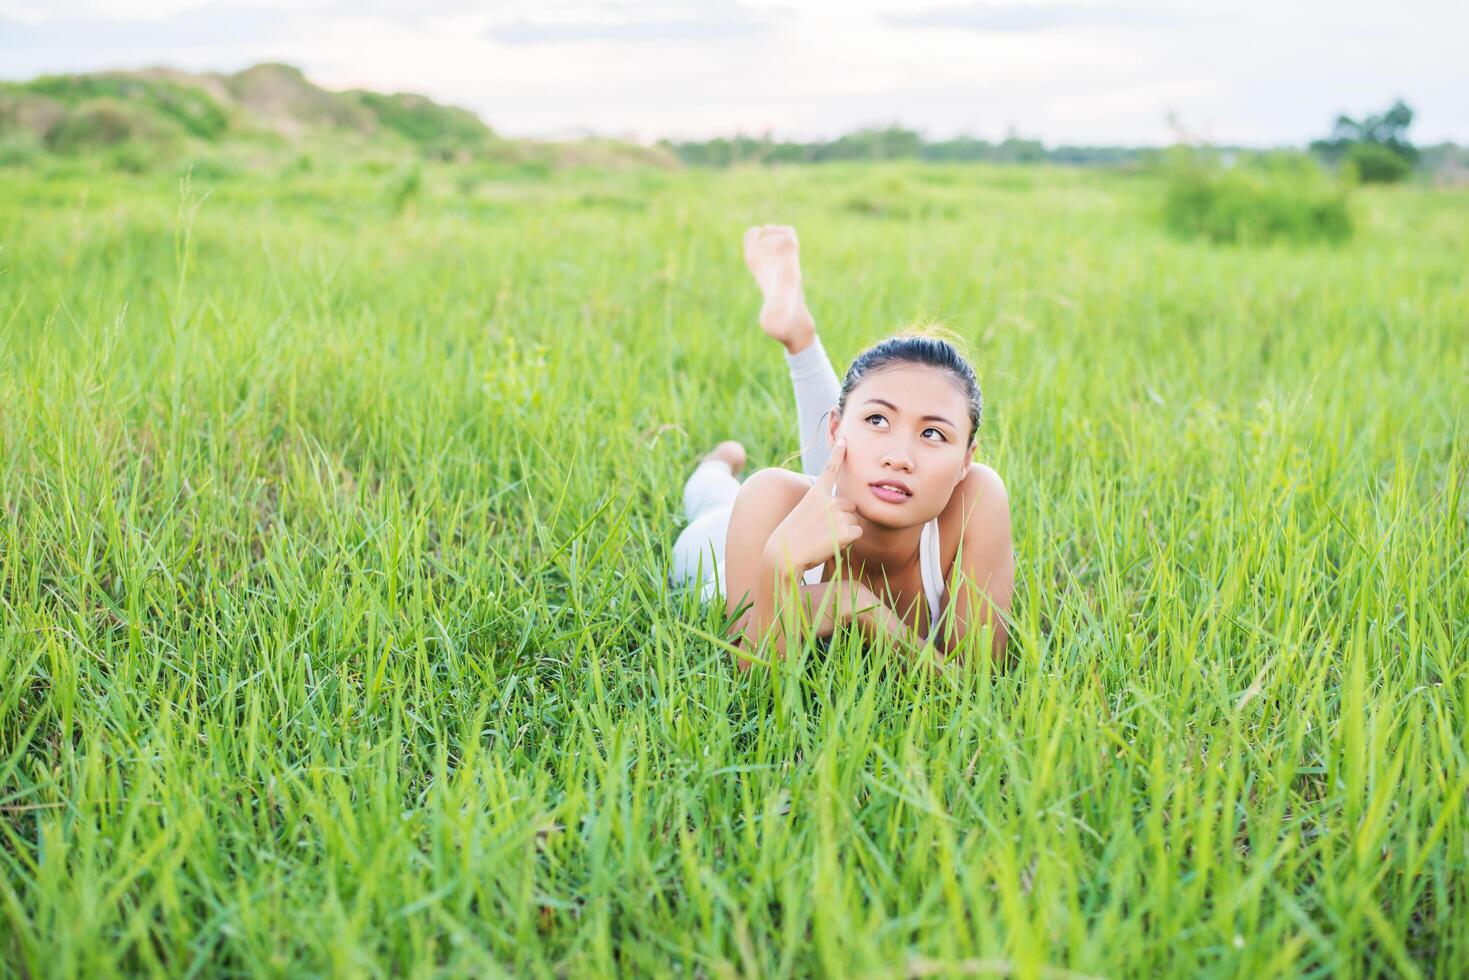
(764, 500)
(775, 486)
(980, 499)
(980, 481)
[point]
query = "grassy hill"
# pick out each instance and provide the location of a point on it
(140, 118)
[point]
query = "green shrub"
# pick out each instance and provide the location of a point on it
(405, 189)
(185, 107)
(1374, 163)
(19, 148)
(900, 206)
(102, 123)
(134, 157)
(28, 114)
(1277, 198)
(538, 169)
(613, 202)
(208, 169)
(468, 179)
(438, 131)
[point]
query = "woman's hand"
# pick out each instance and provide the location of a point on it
(833, 604)
(818, 526)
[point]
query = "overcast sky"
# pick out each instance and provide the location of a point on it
(1262, 72)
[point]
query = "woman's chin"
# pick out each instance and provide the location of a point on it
(892, 517)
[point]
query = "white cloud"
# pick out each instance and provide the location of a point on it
(1063, 70)
(709, 21)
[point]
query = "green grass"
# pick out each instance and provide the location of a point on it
(1251, 206)
(333, 530)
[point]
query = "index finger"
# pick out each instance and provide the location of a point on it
(828, 477)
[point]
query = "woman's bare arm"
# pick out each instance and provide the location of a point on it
(762, 574)
(764, 501)
(983, 580)
(829, 605)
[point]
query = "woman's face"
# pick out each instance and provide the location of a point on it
(907, 432)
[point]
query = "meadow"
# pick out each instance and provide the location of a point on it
(335, 508)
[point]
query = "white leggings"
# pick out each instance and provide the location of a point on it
(708, 496)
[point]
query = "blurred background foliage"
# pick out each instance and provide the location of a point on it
(271, 117)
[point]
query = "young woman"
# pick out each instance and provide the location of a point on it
(892, 528)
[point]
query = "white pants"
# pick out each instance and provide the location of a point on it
(708, 496)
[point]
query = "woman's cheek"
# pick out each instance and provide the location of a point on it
(848, 480)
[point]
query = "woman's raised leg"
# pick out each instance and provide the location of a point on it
(817, 390)
(773, 255)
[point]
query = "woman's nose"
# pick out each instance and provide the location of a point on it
(898, 459)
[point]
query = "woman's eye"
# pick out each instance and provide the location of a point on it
(935, 432)
(877, 420)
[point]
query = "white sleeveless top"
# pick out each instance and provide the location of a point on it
(928, 567)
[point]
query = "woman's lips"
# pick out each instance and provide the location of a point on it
(890, 491)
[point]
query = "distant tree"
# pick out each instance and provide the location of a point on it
(960, 148)
(890, 143)
(894, 142)
(1374, 163)
(1447, 161)
(1367, 144)
(1017, 150)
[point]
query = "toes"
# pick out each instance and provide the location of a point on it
(774, 235)
(732, 453)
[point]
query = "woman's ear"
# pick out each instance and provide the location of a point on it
(833, 421)
(964, 467)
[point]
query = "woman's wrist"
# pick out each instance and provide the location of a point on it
(870, 613)
(877, 618)
(776, 561)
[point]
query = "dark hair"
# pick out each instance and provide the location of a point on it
(933, 352)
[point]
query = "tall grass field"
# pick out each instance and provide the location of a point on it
(335, 515)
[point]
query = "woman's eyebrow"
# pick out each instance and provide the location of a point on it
(926, 418)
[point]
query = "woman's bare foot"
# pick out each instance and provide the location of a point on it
(773, 255)
(729, 452)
